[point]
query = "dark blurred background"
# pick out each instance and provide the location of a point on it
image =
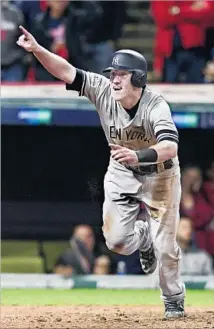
(59, 165)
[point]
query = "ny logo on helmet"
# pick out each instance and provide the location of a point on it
(115, 60)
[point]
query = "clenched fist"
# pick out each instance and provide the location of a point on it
(27, 41)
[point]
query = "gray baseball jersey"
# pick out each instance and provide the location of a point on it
(151, 124)
(125, 190)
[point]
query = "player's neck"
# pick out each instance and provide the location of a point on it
(131, 100)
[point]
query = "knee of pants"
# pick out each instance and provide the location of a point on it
(114, 241)
(117, 244)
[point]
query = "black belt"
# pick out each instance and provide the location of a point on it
(153, 168)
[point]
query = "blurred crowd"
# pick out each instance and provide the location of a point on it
(79, 31)
(184, 41)
(86, 33)
(195, 236)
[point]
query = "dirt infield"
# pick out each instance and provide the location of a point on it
(114, 317)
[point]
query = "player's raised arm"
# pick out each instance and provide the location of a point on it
(53, 63)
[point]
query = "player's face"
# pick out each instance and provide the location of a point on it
(120, 82)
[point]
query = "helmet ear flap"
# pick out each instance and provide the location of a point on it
(138, 79)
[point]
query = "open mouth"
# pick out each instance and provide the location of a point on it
(117, 88)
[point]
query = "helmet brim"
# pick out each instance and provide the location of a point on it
(117, 67)
(108, 69)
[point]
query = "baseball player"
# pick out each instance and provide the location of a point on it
(143, 165)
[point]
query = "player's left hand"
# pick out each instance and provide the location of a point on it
(123, 154)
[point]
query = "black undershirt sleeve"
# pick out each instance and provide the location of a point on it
(77, 83)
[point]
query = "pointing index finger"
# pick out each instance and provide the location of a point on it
(24, 31)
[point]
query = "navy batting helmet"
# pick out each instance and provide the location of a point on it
(132, 61)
